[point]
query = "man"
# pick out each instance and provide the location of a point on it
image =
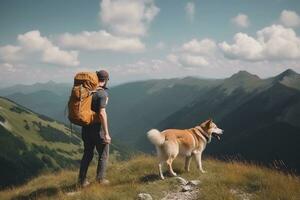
(92, 135)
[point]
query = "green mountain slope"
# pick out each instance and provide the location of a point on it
(136, 107)
(262, 125)
(31, 143)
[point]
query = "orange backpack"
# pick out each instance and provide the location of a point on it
(80, 101)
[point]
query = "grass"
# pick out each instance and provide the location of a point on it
(223, 180)
(18, 120)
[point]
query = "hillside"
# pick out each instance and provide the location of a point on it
(43, 100)
(31, 143)
(261, 118)
(146, 103)
(139, 175)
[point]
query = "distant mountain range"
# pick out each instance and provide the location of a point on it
(261, 117)
(46, 98)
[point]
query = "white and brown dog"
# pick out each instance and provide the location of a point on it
(188, 142)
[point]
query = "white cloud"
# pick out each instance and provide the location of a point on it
(56, 56)
(289, 18)
(187, 60)
(194, 53)
(205, 46)
(271, 43)
(101, 40)
(241, 20)
(128, 17)
(125, 22)
(172, 58)
(244, 47)
(194, 61)
(10, 53)
(190, 10)
(32, 42)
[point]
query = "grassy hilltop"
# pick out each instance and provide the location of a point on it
(223, 180)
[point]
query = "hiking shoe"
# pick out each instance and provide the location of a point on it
(84, 184)
(104, 182)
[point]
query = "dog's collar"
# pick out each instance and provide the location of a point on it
(202, 132)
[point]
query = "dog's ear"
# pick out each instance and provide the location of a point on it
(208, 122)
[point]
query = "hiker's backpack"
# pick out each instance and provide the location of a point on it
(79, 105)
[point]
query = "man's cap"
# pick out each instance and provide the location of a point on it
(102, 75)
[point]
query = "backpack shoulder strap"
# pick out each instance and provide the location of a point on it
(97, 89)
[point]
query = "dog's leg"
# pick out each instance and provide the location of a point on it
(187, 163)
(169, 163)
(198, 157)
(200, 163)
(160, 164)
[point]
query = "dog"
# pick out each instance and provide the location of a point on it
(188, 143)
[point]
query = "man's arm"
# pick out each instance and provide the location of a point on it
(103, 120)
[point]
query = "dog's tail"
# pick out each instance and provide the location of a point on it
(155, 137)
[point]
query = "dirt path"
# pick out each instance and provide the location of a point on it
(188, 195)
(187, 190)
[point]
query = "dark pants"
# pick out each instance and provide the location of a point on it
(92, 139)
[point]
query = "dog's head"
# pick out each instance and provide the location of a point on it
(211, 129)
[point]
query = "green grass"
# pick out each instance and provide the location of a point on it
(223, 180)
(31, 145)
(39, 131)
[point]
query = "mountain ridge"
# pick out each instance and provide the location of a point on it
(136, 107)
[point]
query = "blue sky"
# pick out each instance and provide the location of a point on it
(142, 39)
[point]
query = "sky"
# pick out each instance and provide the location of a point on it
(144, 39)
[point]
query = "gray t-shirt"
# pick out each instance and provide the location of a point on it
(99, 100)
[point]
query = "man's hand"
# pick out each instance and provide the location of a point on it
(103, 119)
(107, 139)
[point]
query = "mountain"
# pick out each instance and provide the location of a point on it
(136, 107)
(43, 101)
(48, 98)
(245, 105)
(288, 78)
(261, 124)
(57, 88)
(31, 143)
(223, 180)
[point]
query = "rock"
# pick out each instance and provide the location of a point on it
(181, 180)
(144, 196)
(72, 193)
(186, 188)
(194, 182)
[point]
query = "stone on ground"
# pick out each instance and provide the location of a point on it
(144, 196)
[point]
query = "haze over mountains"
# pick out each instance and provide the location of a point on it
(261, 117)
